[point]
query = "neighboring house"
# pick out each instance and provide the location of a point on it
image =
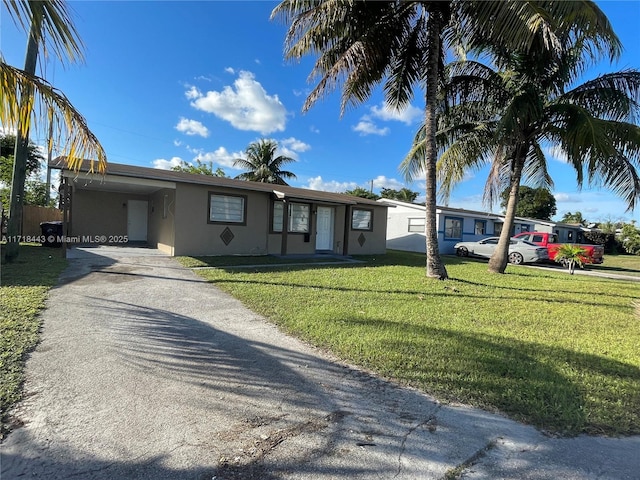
(187, 214)
(567, 232)
(406, 224)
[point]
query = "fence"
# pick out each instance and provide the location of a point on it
(33, 215)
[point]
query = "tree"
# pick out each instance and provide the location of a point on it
(262, 165)
(503, 116)
(574, 218)
(402, 195)
(22, 89)
(630, 238)
(35, 192)
(362, 193)
(571, 255)
(402, 44)
(200, 168)
(532, 202)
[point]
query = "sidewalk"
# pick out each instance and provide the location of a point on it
(145, 371)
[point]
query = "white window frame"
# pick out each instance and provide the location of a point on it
(416, 224)
(227, 209)
(362, 219)
(299, 217)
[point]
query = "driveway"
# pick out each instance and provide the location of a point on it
(145, 371)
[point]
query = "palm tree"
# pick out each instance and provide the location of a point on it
(402, 44)
(22, 89)
(571, 255)
(503, 118)
(262, 165)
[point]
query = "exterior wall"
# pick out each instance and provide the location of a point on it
(468, 234)
(161, 220)
(296, 244)
(398, 235)
(95, 213)
(374, 241)
(195, 236)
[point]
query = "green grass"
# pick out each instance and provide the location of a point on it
(556, 351)
(622, 264)
(243, 261)
(23, 291)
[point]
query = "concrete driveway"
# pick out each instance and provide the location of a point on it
(145, 371)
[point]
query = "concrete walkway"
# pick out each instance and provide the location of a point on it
(147, 372)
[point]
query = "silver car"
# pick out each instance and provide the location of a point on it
(520, 251)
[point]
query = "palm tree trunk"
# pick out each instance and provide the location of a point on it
(14, 225)
(499, 259)
(435, 267)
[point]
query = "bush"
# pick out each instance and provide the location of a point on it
(630, 237)
(607, 240)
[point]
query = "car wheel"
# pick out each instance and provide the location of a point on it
(462, 252)
(515, 258)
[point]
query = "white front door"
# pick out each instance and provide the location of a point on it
(137, 214)
(324, 229)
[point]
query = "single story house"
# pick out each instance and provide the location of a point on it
(189, 214)
(406, 226)
(566, 232)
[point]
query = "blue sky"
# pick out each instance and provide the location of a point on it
(168, 81)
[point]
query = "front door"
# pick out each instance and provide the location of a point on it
(324, 229)
(137, 214)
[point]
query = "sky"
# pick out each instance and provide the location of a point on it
(164, 82)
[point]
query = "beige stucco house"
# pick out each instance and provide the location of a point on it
(187, 214)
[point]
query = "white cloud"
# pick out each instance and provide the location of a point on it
(192, 93)
(163, 164)
(221, 157)
(317, 183)
(408, 115)
(230, 70)
(192, 127)
(383, 182)
(367, 127)
(245, 105)
(566, 197)
(294, 144)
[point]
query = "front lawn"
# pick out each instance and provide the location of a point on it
(553, 350)
(620, 264)
(23, 291)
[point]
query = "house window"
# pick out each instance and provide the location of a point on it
(227, 208)
(361, 219)
(452, 228)
(497, 228)
(298, 217)
(416, 225)
(524, 228)
(480, 227)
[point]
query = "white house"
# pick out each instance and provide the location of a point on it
(406, 225)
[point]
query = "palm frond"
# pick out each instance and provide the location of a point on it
(52, 21)
(69, 126)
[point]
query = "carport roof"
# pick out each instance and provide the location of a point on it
(116, 172)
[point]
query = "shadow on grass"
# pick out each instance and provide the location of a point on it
(520, 379)
(538, 294)
(35, 266)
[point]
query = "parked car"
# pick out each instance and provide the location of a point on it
(593, 253)
(520, 251)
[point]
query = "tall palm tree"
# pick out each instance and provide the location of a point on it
(49, 22)
(402, 44)
(262, 165)
(506, 117)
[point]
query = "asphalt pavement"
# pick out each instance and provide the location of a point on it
(145, 371)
